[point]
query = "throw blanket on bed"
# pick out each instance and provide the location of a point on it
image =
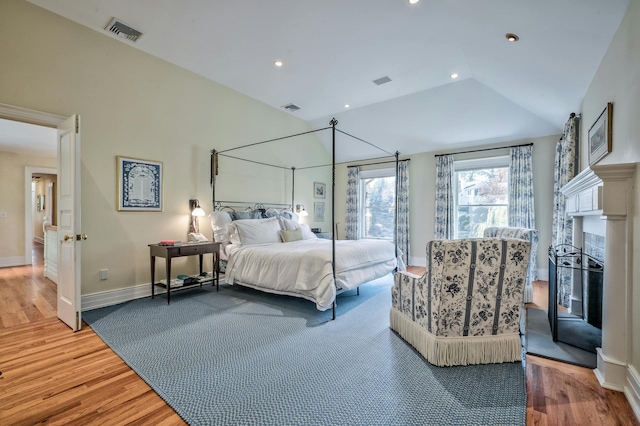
(303, 268)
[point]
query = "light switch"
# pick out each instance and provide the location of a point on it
(104, 273)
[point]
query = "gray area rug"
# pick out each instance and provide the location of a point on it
(243, 357)
(538, 341)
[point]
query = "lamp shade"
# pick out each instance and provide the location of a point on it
(303, 212)
(198, 212)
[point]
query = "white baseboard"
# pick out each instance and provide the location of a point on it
(113, 297)
(38, 240)
(51, 271)
(632, 390)
(6, 262)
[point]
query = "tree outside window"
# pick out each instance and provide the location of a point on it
(377, 215)
(482, 200)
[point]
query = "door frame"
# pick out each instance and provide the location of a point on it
(25, 115)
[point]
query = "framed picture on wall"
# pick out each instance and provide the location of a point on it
(318, 211)
(319, 190)
(600, 135)
(139, 185)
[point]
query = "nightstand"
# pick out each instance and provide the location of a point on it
(184, 249)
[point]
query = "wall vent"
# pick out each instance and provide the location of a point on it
(291, 107)
(382, 80)
(123, 30)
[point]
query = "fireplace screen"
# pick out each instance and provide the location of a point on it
(580, 323)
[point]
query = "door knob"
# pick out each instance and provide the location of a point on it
(68, 237)
(83, 237)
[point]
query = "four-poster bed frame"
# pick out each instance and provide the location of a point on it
(218, 204)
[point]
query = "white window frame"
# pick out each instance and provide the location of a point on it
(364, 175)
(476, 164)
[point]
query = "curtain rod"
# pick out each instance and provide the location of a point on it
(485, 149)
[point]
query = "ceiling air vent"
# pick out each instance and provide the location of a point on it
(291, 107)
(123, 30)
(382, 80)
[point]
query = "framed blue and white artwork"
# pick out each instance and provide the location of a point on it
(139, 185)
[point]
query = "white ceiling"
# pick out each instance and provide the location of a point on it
(333, 49)
(28, 139)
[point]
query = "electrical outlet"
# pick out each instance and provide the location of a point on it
(104, 273)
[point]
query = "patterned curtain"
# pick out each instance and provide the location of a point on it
(403, 209)
(444, 197)
(351, 220)
(521, 205)
(565, 169)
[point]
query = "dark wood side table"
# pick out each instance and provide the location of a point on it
(184, 249)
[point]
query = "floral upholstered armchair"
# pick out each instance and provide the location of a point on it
(466, 308)
(530, 235)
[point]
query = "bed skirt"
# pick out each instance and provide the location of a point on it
(448, 351)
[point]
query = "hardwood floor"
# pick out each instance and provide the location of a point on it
(52, 375)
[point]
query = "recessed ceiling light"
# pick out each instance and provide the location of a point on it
(413, 1)
(278, 63)
(454, 75)
(512, 37)
(347, 105)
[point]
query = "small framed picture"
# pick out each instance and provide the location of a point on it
(319, 190)
(318, 211)
(600, 135)
(139, 185)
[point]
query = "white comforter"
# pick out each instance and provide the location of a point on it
(303, 268)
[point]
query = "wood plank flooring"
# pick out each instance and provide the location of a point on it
(54, 376)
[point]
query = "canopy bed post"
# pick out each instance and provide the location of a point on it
(293, 187)
(395, 228)
(333, 123)
(212, 179)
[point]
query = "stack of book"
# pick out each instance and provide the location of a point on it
(169, 243)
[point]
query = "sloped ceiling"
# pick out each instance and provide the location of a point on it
(332, 51)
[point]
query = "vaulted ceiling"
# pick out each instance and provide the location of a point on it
(333, 50)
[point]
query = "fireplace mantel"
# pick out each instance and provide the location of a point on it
(606, 192)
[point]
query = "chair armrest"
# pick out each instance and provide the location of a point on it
(404, 284)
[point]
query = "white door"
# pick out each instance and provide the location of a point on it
(69, 238)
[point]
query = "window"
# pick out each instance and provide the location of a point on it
(378, 203)
(482, 195)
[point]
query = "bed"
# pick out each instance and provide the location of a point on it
(281, 256)
(277, 254)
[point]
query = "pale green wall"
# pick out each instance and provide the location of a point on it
(135, 105)
(617, 81)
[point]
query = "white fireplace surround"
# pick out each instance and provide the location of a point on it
(600, 200)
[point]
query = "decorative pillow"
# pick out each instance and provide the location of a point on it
(253, 214)
(306, 232)
(254, 231)
(272, 213)
(288, 224)
(219, 222)
(288, 236)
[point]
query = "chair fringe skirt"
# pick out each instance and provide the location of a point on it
(448, 351)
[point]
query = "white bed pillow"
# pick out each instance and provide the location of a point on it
(219, 222)
(289, 224)
(254, 231)
(306, 232)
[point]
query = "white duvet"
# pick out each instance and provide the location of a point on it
(303, 268)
